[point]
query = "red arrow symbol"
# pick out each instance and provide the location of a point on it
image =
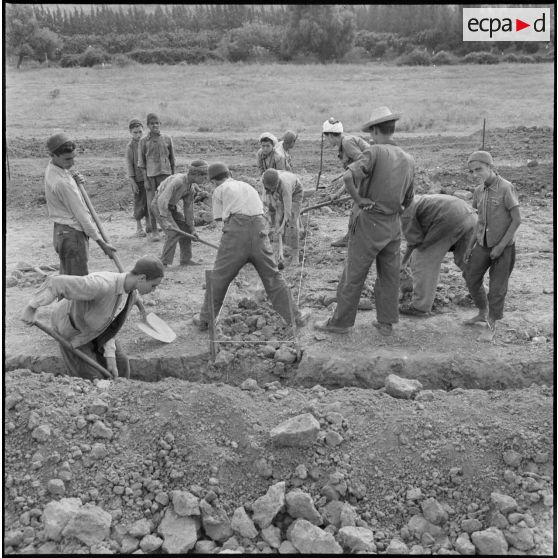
(519, 25)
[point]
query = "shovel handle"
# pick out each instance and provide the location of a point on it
(114, 257)
(323, 204)
(103, 371)
(192, 237)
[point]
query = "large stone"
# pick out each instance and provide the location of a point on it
(13, 538)
(433, 511)
(185, 503)
(268, 506)
(471, 525)
(272, 536)
(354, 539)
(150, 543)
(301, 505)
(503, 503)
(90, 525)
(56, 487)
(520, 537)
(56, 516)
(418, 525)
(491, 542)
(331, 512)
(397, 547)
(242, 524)
(42, 433)
(286, 547)
(129, 544)
(299, 431)
(309, 539)
(402, 388)
(179, 533)
(98, 407)
(463, 545)
(216, 524)
(140, 528)
(101, 430)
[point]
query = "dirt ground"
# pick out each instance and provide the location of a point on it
(468, 423)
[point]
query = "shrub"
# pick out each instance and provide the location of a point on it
(417, 57)
(121, 60)
(482, 57)
(444, 58)
(69, 60)
(356, 55)
(521, 58)
(194, 55)
(375, 44)
(93, 56)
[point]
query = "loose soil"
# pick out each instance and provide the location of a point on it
(202, 405)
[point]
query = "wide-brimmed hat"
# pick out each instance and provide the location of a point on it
(332, 126)
(57, 140)
(379, 116)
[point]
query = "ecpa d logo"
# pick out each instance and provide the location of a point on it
(506, 24)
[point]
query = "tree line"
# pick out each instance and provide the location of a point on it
(237, 32)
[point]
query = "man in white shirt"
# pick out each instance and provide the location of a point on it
(245, 240)
(73, 224)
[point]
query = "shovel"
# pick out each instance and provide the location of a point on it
(151, 324)
(103, 371)
(195, 238)
(323, 204)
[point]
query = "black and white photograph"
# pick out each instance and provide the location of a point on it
(279, 279)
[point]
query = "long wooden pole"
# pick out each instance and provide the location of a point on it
(211, 323)
(192, 237)
(323, 204)
(321, 161)
(483, 130)
(103, 371)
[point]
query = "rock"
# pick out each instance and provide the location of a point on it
(56, 516)
(56, 487)
(33, 421)
(332, 438)
(496, 519)
(397, 547)
(11, 281)
(272, 536)
(13, 538)
(491, 541)
(90, 525)
(42, 433)
(150, 543)
(471, 525)
(301, 472)
(348, 516)
(299, 431)
(268, 506)
(249, 384)
(463, 545)
(354, 539)
(414, 494)
(401, 388)
(284, 354)
(268, 351)
(162, 498)
(287, 547)
(242, 524)
(179, 533)
(205, 547)
(98, 407)
(433, 511)
(463, 194)
(12, 400)
(140, 528)
(309, 539)
(98, 451)
(216, 524)
(223, 358)
(503, 503)
(512, 458)
(365, 304)
(185, 503)
(100, 430)
(128, 545)
(301, 506)
(520, 537)
(532, 163)
(418, 525)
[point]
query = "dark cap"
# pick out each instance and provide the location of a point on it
(289, 136)
(199, 166)
(150, 266)
(135, 122)
(57, 140)
(270, 177)
(482, 156)
(215, 169)
(151, 116)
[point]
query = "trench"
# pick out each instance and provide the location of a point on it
(434, 370)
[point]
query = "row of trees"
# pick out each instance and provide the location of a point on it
(235, 32)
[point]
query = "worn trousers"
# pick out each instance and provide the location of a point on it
(151, 185)
(176, 220)
(140, 203)
(245, 240)
(499, 273)
(75, 366)
(72, 247)
(291, 234)
(426, 263)
(375, 237)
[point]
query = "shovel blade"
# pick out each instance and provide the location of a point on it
(158, 329)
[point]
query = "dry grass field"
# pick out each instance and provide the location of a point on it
(241, 99)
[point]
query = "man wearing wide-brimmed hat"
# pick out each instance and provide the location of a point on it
(381, 184)
(73, 223)
(349, 149)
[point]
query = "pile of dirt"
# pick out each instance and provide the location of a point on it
(117, 466)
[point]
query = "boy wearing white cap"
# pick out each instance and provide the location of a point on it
(350, 148)
(493, 244)
(381, 184)
(73, 224)
(268, 157)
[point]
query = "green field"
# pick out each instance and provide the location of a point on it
(247, 99)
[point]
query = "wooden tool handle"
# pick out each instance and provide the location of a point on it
(323, 204)
(103, 371)
(192, 237)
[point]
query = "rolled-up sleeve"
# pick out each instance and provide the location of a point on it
(217, 203)
(363, 166)
(74, 201)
